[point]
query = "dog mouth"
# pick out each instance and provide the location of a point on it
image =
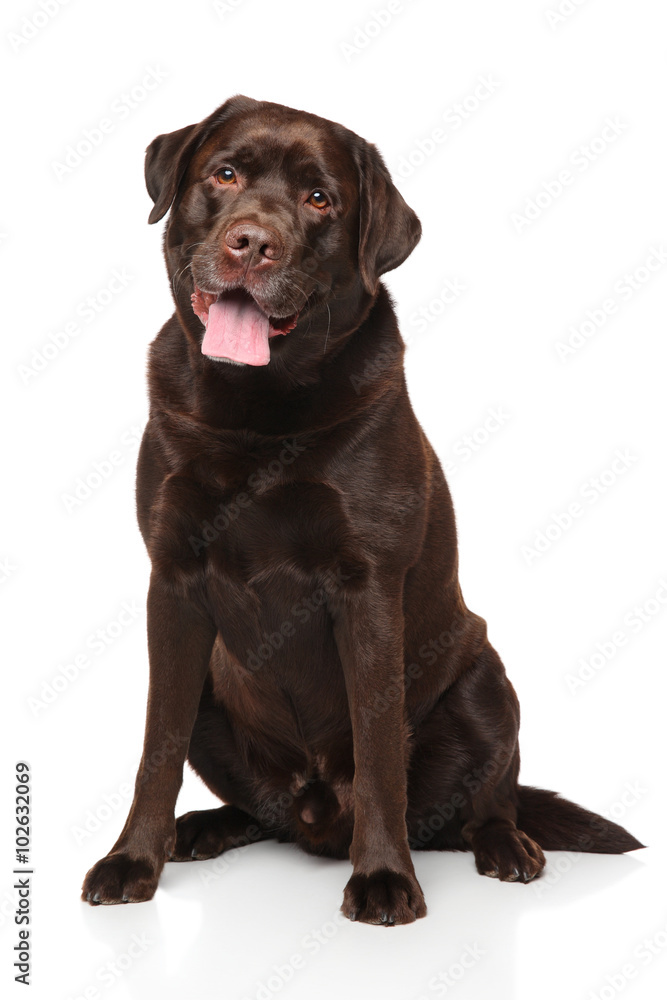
(237, 328)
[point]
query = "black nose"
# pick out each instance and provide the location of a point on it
(246, 240)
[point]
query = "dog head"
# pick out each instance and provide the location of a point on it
(281, 223)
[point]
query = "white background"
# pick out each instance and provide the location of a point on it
(67, 573)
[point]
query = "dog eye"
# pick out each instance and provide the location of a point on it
(225, 176)
(318, 200)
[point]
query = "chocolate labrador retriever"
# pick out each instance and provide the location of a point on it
(310, 649)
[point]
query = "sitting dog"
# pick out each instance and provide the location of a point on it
(310, 649)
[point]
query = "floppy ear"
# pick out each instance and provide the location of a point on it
(167, 159)
(388, 228)
(168, 155)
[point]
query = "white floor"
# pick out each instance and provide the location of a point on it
(265, 922)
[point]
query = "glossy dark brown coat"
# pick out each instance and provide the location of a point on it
(310, 649)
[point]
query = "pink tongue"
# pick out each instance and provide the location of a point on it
(237, 329)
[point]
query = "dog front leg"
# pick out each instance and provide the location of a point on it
(180, 640)
(368, 626)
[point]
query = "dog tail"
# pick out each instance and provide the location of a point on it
(559, 825)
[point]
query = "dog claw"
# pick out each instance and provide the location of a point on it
(383, 898)
(508, 855)
(118, 878)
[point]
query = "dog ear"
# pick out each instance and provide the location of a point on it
(167, 159)
(388, 228)
(168, 155)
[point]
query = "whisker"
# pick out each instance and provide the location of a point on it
(177, 276)
(310, 276)
(328, 328)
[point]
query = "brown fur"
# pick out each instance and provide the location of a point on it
(309, 645)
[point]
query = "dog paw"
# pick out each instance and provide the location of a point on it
(119, 878)
(206, 833)
(508, 855)
(199, 836)
(383, 897)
